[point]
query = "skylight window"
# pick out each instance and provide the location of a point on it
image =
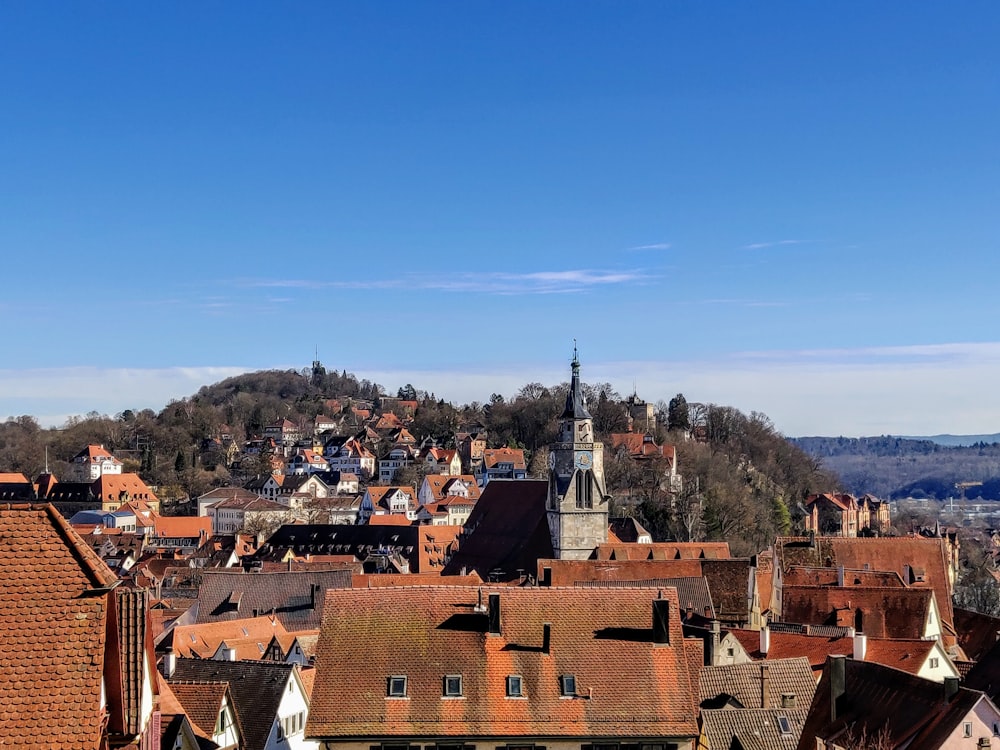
(784, 725)
(397, 686)
(515, 686)
(567, 685)
(453, 686)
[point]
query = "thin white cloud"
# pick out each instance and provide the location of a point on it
(538, 282)
(762, 245)
(654, 246)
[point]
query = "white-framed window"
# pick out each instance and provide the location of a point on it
(933, 662)
(515, 686)
(967, 729)
(396, 687)
(453, 686)
(567, 685)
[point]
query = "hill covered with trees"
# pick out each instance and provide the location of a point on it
(899, 467)
(742, 481)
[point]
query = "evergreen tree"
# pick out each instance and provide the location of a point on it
(678, 417)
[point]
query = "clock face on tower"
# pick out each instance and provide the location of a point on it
(584, 460)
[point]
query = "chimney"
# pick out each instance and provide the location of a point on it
(546, 638)
(661, 621)
(838, 684)
(313, 592)
(765, 639)
(840, 575)
(712, 644)
(765, 700)
(950, 688)
(493, 614)
(860, 646)
(789, 700)
(169, 663)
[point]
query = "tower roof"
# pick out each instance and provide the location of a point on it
(576, 404)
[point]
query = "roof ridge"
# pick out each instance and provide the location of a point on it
(95, 568)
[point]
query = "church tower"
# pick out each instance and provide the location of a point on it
(577, 505)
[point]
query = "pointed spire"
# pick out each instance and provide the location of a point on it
(576, 404)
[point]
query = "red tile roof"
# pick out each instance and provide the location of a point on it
(53, 645)
(109, 488)
(494, 456)
(592, 634)
(884, 612)
(907, 654)
(912, 558)
(202, 640)
(664, 551)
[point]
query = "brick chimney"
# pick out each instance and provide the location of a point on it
(765, 698)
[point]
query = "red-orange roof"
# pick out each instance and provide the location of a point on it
(52, 657)
(625, 686)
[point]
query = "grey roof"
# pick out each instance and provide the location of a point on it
(576, 404)
(255, 686)
(744, 682)
(507, 531)
(753, 728)
(364, 542)
(295, 597)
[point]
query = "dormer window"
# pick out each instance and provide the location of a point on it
(453, 686)
(567, 685)
(396, 686)
(515, 686)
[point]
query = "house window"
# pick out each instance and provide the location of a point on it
(515, 686)
(934, 662)
(967, 729)
(397, 686)
(453, 686)
(784, 725)
(567, 685)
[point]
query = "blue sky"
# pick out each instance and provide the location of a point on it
(786, 207)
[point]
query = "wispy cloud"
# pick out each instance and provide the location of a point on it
(654, 246)
(538, 282)
(778, 243)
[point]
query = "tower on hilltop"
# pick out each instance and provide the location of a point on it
(577, 505)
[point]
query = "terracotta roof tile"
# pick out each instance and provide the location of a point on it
(52, 650)
(591, 635)
(748, 683)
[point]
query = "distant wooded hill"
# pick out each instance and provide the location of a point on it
(900, 467)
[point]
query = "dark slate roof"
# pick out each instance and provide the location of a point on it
(627, 529)
(576, 404)
(365, 542)
(753, 729)
(875, 696)
(296, 598)
(255, 686)
(729, 582)
(744, 682)
(985, 675)
(977, 633)
(507, 531)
